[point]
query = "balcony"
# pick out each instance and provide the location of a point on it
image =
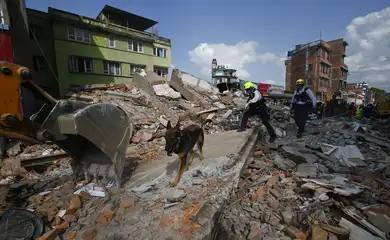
(325, 61)
(324, 75)
(344, 67)
(109, 27)
(343, 78)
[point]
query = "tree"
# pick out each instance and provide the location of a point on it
(380, 94)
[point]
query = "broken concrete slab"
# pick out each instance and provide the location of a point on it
(142, 83)
(349, 155)
(215, 146)
(355, 232)
(306, 170)
(298, 153)
(166, 91)
(194, 81)
(333, 183)
(379, 216)
(176, 83)
(283, 163)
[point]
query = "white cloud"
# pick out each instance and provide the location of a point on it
(369, 50)
(236, 56)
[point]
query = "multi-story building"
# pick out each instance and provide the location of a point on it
(42, 53)
(356, 93)
(311, 61)
(339, 68)
(223, 77)
(77, 50)
(321, 64)
(64, 49)
(107, 49)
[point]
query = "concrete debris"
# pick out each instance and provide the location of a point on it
(355, 232)
(176, 195)
(294, 189)
(165, 91)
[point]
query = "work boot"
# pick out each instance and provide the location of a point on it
(272, 139)
(241, 130)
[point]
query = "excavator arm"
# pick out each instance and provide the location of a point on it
(95, 136)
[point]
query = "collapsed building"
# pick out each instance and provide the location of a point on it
(332, 183)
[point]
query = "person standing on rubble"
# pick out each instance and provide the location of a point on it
(302, 103)
(351, 110)
(256, 106)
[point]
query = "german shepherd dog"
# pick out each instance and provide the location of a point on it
(182, 142)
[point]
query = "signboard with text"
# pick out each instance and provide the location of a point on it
(265, 89)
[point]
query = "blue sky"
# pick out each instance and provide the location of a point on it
(253, 36)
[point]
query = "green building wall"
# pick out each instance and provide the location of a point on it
(98, 50)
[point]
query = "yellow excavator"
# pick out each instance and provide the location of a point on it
(95, 136)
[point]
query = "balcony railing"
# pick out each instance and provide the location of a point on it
(110, 27)
(324, 75)
(344, 66)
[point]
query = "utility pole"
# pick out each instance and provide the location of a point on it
(307, 64)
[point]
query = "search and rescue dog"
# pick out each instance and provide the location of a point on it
(182, 142)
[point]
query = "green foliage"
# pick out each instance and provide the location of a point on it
(380, 94)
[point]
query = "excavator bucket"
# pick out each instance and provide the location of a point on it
(95, 136)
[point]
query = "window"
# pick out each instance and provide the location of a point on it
(160, 52)
(111, 41)
(310, 67)
(297, 69)
(325, 69)
(1, 16)
(79, 35)
(112, 68)
(160, 72)
(324, 83)
(323, 54)
(134, 67)
(39, 64)
(135, 46)
(80, 64)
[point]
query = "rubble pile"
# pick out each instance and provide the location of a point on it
(330, 184)
(45, 188)
(149, 113)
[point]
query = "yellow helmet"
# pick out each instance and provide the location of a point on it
(248, 85)
(300, 82)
